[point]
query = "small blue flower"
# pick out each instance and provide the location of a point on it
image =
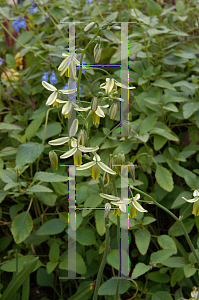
(22, 23)
(89, 1)
(15, 24)
(33, 9)
(65, 87)
(1, 61)
(45, 76)
(53, 78)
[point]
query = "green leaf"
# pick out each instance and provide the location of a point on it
(113, 258)
(93, 200)
(34, 126)
(54, 252)
(164, 84)
(180, 171)
(5, 242)
(161, 295)
(7, 151)
(178, 202)
(177, 275)
(148, 220)
(21, 227)
(60, 188)
(80, 264)
(164, 133)
(109, 287)
(47, 199)
(25, 37)
(39, 188)
(189, 270)
(10, 266)
(174, 262)
(81, 194)
(2, 195)
(139, 270)
(85, 236)
(134, 47)
(166, 242)
(50, 266)
(148, 123)
(85, 291)
(154, 8)
(8, 126)
(159, 142)
(189, 108)
(142, 240)
(99, 222)
(51, 130)
(176, 230)
(44, 279)
(164, 178)
(54, 226)
(17, 282)
(49, 177)
(158, 277)
(161, 255)
(28, 153)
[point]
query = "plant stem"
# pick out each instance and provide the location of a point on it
(177, 219)
(99, 275)
(81, 59)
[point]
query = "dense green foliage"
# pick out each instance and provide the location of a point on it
(163, 144)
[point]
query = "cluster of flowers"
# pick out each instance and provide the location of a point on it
(33, 8)
(19, 23)
(53, 78)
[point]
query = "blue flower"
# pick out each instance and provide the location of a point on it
(53, 78)
(65, 87)
(22, 23)
(89, 1)
(15, 25)
(1, 61)
(71, 97)
(18, 24)
(45, 76)
(33, 8)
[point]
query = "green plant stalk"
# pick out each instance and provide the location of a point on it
(175, 218)
(81, 59)
(118, 241)
(100, 273)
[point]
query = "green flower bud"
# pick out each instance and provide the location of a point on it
(81, 140)
(107, 210)
(97, 53)
(120, 161)
(132, 171)
(116, 28)
(126, 128)
(94, 104)
(113, 111)
(53, 159)
(89, 27)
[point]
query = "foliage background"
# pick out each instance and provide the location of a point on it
(164, 116)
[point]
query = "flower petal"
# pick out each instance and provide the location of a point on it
(51, 98)
(191, 200)
(195, 193)
(88, 149)
(83, 108)
(86, 166)
(109, 197)
(137, 196)
(69, 153)
(100, 112)
(64, 64)
(59, 141)
(61, 101)
(71, 91)
(49, 86)
(138, 206)
(106, 168)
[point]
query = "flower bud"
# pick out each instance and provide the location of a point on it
(120, 161)
(132, 171)
(53, 159)
(89, 27)
(106, 177)
(126, 128)
(116, 28)
(113, 111)
(81, 140)
(73, 128)
(94, 104)
(97, 53)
